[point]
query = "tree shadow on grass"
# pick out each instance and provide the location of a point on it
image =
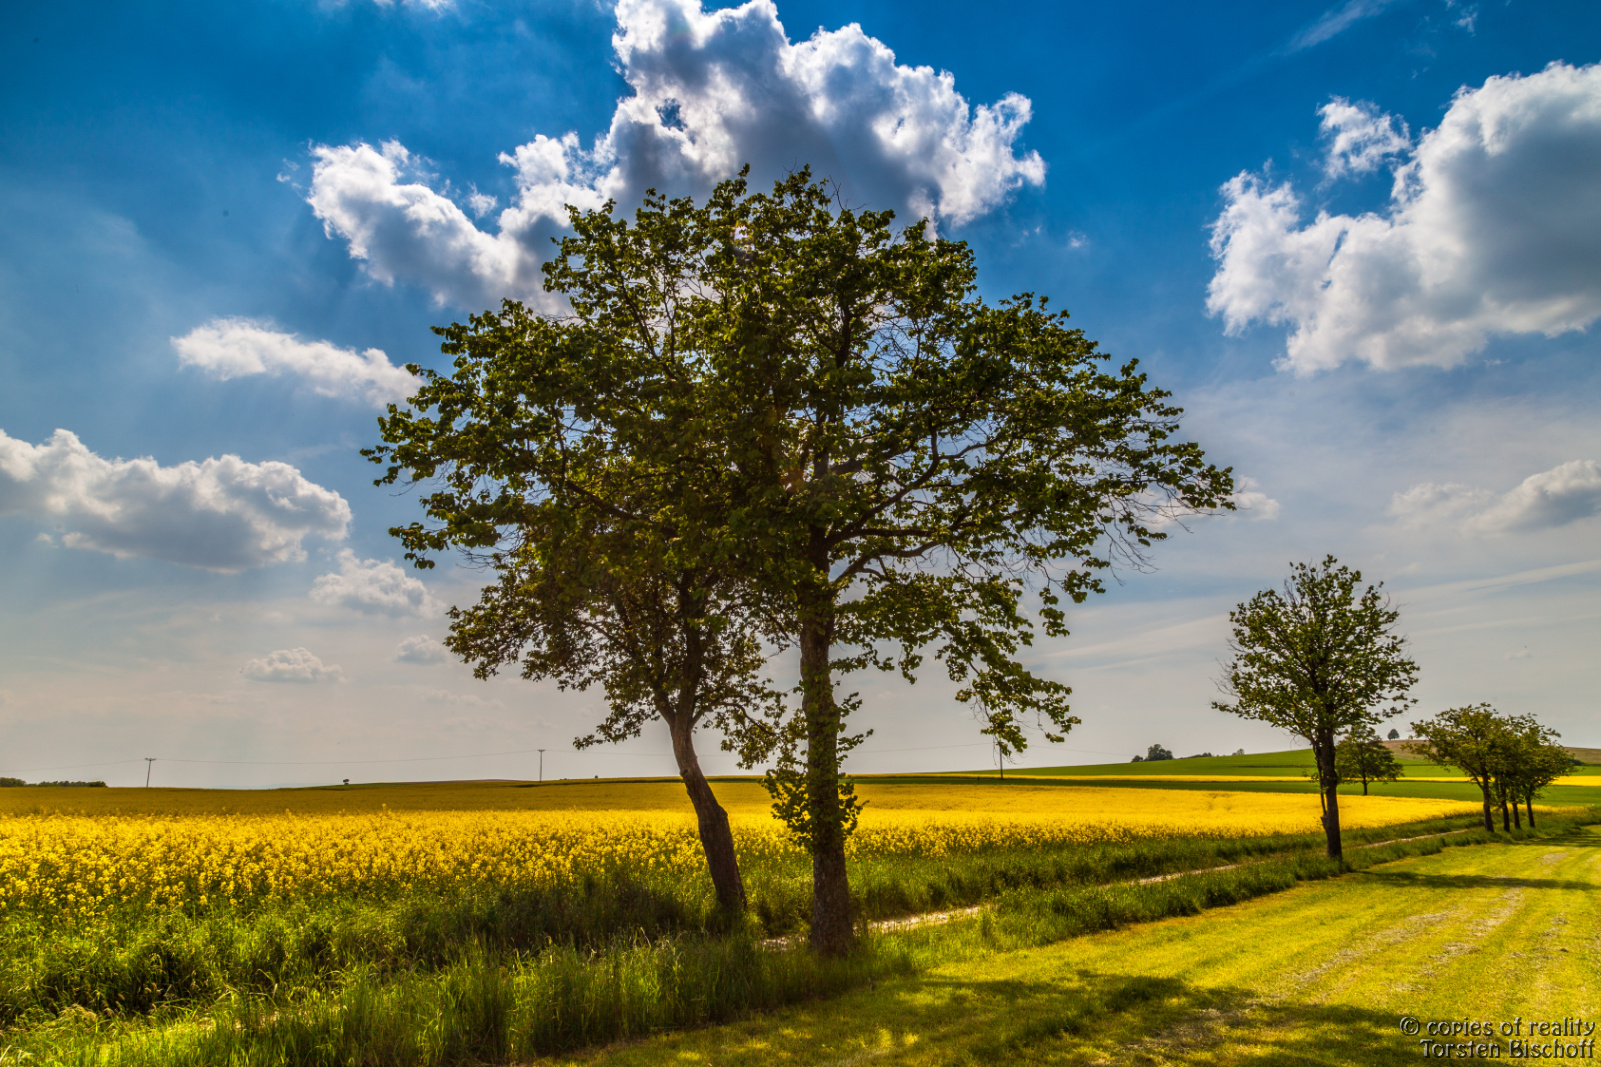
(1069, 1018)
(1474, 881)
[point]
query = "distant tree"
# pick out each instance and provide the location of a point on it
(1137, 759)
(1320, 660)
(1475, 740)
(1535, 761)
(1365, 757)
(5, 782)
(1395, 735)
(1157, 752)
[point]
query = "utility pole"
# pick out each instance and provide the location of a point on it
(541, 765)
(150, 761)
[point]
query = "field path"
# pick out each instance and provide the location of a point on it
(1319, 974)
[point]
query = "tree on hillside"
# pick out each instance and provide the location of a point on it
(1394, 734)
(1157, 752)
(1473, 739)
(917, 461)
(1319, 660)
(565, 456)
(1364, 756)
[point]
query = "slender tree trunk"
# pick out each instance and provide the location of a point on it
(716, 837)
(1517, 819)
(1364, 787)
(833, 933)
(1329, 783)
(1530, 801)
(1489, 819)
(1506, 818)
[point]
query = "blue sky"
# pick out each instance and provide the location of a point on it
(1361, 243)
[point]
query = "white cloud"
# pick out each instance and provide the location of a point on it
(461, 700)
(222, 514)
(1564, 494)
(290, 665)
(1253, 503)
(235, 348)
(372, 586)
(1360, 137)
(711, 90)
(422, 650)
(1493, 228)
(1337, 20)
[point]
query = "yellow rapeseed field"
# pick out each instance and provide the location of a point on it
(65, 865)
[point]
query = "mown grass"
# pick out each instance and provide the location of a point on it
(469, 981)
(1319, 976)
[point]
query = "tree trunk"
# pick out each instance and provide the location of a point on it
(1506, 818)
(832, 933)
(716, 837)
(1530, 801)
(1517, 819)
(1489, 818)
(1364, 787)
(1329, 783)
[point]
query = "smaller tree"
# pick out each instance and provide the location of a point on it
(1395, 735)
(1157, 752)
(1367, 758)
(1319, 660)
(1536, 760)
(1473, 739)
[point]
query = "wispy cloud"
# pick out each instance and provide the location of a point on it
(1335, 21)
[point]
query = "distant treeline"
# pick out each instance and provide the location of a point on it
(4, 782)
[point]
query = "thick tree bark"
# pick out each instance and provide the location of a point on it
(716, 837)
(1329, 782)
(832, 931)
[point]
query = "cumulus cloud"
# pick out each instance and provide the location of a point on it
(1360, 137)
(1253, 503)
(1493, 228)
(711, 91)
(222, 514)
(372, 586)
(236, 348)
(421, 650)
(1562, 495)
(290, 665)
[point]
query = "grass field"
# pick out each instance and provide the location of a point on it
(1322, 974)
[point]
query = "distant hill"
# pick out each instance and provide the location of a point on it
(1405, 749)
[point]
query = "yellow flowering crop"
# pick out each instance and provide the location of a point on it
(65, 865)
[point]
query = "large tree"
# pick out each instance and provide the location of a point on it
(921, 470)
(823, 413)
(1319, 660)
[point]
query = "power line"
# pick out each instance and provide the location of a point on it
(479, 755)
